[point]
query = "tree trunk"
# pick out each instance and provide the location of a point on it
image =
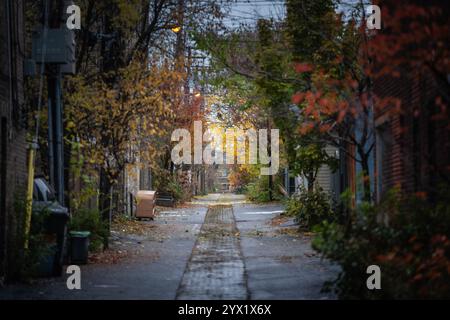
(104, 202)
(270, 157)
(366, 179)
(311, 181)
(270, 187)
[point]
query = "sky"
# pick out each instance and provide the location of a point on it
(248, 11)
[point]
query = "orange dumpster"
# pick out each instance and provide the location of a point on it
(145, 204)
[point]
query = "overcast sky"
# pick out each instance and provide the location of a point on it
(248, 11)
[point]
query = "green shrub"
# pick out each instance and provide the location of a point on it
(166, 182)
(255, 194)
(240, 190)
(175, 189)
(407, 238)
(24, 263)
(310, 207)
(258, 191)
(90, 220)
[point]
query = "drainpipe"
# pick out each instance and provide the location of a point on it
(29, 199)
(34, 144)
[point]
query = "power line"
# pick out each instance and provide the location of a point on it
(258, 2)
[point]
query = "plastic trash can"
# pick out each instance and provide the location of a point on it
(79, 246)
(55, 224)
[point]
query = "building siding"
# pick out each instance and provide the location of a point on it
(325, 177)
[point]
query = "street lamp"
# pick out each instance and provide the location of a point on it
(176, 29)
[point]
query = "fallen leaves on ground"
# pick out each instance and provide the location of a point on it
(284, 259)
(289, 231)
(256, 233)
(108, 256)
(278, 220)
(310, 254)
(308, 234)
(127, 240)
(131, 226)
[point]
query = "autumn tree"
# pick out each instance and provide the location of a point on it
(129, 92)
(342, 101)
(337, 107)
(117, 125)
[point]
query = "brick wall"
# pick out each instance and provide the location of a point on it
(418, 151)
(12, 135)
(416, 142)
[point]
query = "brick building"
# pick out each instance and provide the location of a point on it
(13, 145)
(413, 141)
(412, 138)
(412, 144)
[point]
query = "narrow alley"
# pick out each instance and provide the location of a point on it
(217, 247)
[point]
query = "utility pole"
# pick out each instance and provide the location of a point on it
(179, 63)
(179, 46)
(55, 112)
(55, 132)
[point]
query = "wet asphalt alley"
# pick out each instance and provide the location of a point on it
(218, 247)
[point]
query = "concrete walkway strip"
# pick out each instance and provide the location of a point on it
(216, 267)
(264, 212)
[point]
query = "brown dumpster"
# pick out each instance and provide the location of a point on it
(145, 204)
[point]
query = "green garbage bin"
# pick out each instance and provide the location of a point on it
(79, 246)
(54, 225)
